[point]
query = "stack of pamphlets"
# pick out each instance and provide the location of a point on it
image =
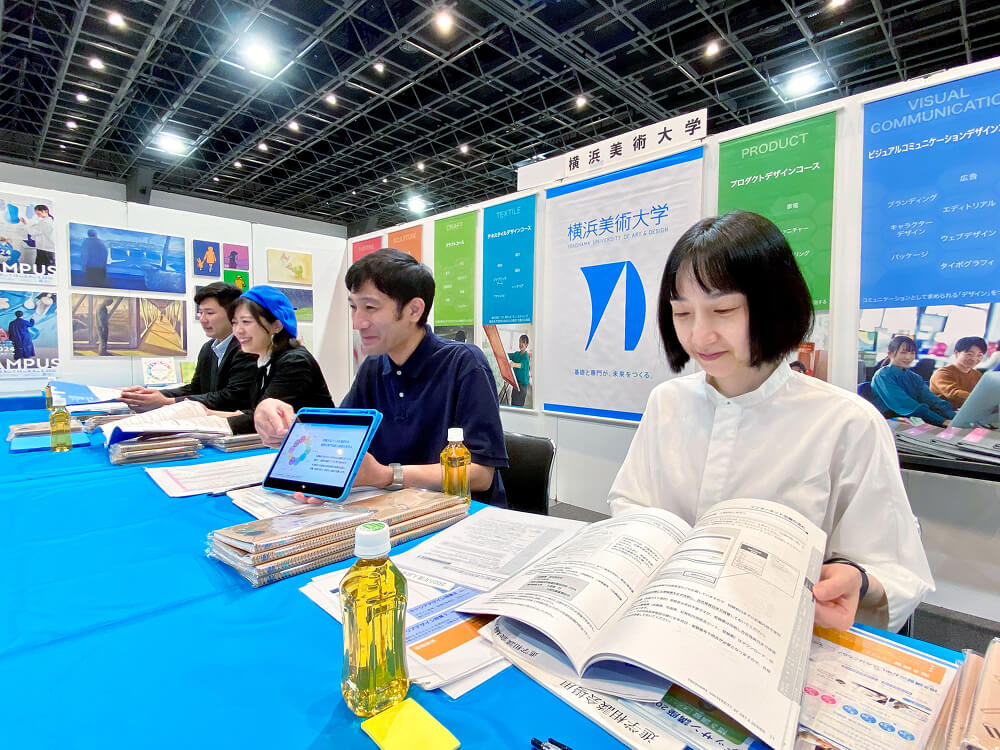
(34, 429)
(234, 443)
(147, 450)
(982, 728)
(185, 418)
(270, 549)
(91, 424)
(962, 443)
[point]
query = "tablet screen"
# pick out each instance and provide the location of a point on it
(320, 453)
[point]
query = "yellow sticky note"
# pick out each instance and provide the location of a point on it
(407, 726)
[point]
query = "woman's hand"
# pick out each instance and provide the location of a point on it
(837, 596)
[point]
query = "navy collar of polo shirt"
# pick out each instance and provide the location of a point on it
(415, 363)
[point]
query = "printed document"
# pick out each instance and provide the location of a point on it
(217, 476)
(640, 601)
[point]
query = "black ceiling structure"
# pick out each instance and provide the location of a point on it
(503, 81)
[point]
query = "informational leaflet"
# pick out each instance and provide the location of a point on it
(181, 418)
(261, 503)
(488, 547)
(865, 692)
(218, 476)
(455, 270)
(732, 592)
(509, 262)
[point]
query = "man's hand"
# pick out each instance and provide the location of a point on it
(144, 399)
(272, 419)
(836, 594)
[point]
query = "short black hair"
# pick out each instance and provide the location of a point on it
(967, 342)
(797, 365)
(396, 274)
(746, 253)
(225, 294)
(281, 341)
(905, 343)
(523, 339)
(19, 314)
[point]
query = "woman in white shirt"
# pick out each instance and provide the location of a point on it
(733, 300)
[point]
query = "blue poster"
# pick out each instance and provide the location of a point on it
(509, 262)
(930, 225)
(207, 261)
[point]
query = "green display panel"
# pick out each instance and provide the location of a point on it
(786, 174)
(455, 270)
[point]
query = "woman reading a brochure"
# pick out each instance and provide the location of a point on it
(733, 301)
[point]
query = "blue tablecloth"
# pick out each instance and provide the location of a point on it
(116, 631)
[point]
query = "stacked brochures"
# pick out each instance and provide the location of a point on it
(91, 424)
(234, 443)
(148, 450)
(35, 429)
(270, 549)
(965, 444)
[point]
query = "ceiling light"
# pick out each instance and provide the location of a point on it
(331, 99)
(837, 3)
(385, 179)
(293, 126)
(262, 146)
(416, 204)
(215, 179)
(82, 98)
(379, 67)
(258, 56)
(420, 166)
(96, 63)
(354, 192)
(170, 143)
(71, 124)
(712, 49)
(238, 164)
(802, 83)
(62, 147)
(116, 20)
(444, 21)
(581, 100)
(464, 148)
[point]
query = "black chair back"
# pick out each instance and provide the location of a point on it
(526, 480)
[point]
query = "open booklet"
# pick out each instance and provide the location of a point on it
(182, 418)
(635, 603)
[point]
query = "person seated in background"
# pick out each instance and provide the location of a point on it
(903, 391)
(955, 382)
(224, 372)
(264, 324)
(420, 382)
(733, 299)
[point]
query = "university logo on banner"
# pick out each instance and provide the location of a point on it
(607, 240)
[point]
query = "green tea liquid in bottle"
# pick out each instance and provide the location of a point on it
(373, 600)
(455, 460)
(60, 437)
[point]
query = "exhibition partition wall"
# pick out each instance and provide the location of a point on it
(91, 287)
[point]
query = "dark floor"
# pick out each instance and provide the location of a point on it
(945, 627)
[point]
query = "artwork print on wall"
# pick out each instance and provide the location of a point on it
(206, 258)
(111, 258)
(288, 267)
(27, 239)
(235, 257)
(106, 325)
(240, 279)
(29, 345)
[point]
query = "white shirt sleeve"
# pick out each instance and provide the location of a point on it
(873, 524)
(638, 481)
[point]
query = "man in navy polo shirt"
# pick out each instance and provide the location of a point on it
(421, 383)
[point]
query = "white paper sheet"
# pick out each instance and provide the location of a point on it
(217, 476)
(261, 503)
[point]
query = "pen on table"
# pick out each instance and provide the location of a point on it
(550, 745)
(220, 493)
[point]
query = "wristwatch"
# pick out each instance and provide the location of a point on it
(864, 573)
(397, 477)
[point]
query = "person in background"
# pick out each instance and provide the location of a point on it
(521, 362)
(94, 255)
(422, 384)
(264, 324)
(733, 299)
(955, 382)
(798, 367)
(20, 336)
(224, 372)
(42, 229)
(903, 391)
(992, 362)
(104, 325)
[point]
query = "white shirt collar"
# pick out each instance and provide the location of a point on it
(219, 347)
(763, 392)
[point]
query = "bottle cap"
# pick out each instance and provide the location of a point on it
(455, 435)
(371, 540)
(59, 401)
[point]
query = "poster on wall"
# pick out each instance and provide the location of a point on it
(29, 344)
(455, 270)
(930, 223)
(111, 258)
(607, 239)
(786, 174)
(240, 279)
(206, 258)
(302, 301)
(289, 267)
(509, 262)
(235, 257)
(361, 248)
(510, 351)
(27, 239)
(110, 326)
(409, 240)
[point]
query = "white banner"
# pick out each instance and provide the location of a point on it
(607, 240)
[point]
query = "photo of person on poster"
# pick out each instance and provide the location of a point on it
(521, 362)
